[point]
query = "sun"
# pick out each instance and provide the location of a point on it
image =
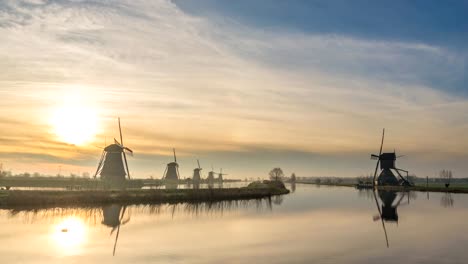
(74, 121)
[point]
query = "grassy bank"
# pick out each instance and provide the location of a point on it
(12, 199)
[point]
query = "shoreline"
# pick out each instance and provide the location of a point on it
(417, 188)
(19, 198)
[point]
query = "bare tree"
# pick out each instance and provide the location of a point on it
(293, 177)
(276, 174)
(446, 175)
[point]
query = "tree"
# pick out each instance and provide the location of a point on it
(293, 177)
(446, 175)
(276, 174)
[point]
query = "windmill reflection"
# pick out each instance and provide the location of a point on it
(113, 216)
(388, 208)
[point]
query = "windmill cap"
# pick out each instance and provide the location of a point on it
(113, 148)
(388, 156)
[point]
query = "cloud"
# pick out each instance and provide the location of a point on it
(206, 86)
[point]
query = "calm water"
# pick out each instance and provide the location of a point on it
(311, 225)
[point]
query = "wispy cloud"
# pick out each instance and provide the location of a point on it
(207, 86)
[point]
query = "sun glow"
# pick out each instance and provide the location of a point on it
(74, 121)
(69, 235)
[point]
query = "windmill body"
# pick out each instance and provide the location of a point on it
(220, 175)
(387, 164)
(211, 176)
(113, 167)
(197, 173)
(172, 170)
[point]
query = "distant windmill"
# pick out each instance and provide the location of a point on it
(113, 165)
(196, 173)
(172, 170)
(220, 175)
(387, 164)
(211, 175)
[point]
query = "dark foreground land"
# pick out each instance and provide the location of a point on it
(16, 198)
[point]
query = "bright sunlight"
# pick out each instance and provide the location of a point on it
(69, 235)
(74, 120)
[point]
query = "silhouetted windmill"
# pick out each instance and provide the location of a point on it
(211, 175)
(387, 164)
(113, 165)
(172, 170)
(197, 173)
(220, 175)
(113, 217)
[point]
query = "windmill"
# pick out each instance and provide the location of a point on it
(220, 175)
(113, 165)
(211, 176)
(113, 216)
(387, 164)
(196, 173)
(172, 170)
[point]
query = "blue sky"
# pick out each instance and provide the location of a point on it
(439, 23)
(243, 85)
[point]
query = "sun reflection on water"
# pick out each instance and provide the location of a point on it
(69, 235)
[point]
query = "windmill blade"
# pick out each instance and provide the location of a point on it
(401, 156)
(374, 157)
(120, 130)
(175, 157)
(126, 164)
(381, 145)
(130, 152)
(380, 213)
(375, 172)
(199, 164)
(100, 164)
(117, 142)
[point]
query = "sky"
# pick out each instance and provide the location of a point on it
(241, 85)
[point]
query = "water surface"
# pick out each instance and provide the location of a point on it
(310, 225)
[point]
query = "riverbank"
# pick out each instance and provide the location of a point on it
(12, 199)
(418, 188)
